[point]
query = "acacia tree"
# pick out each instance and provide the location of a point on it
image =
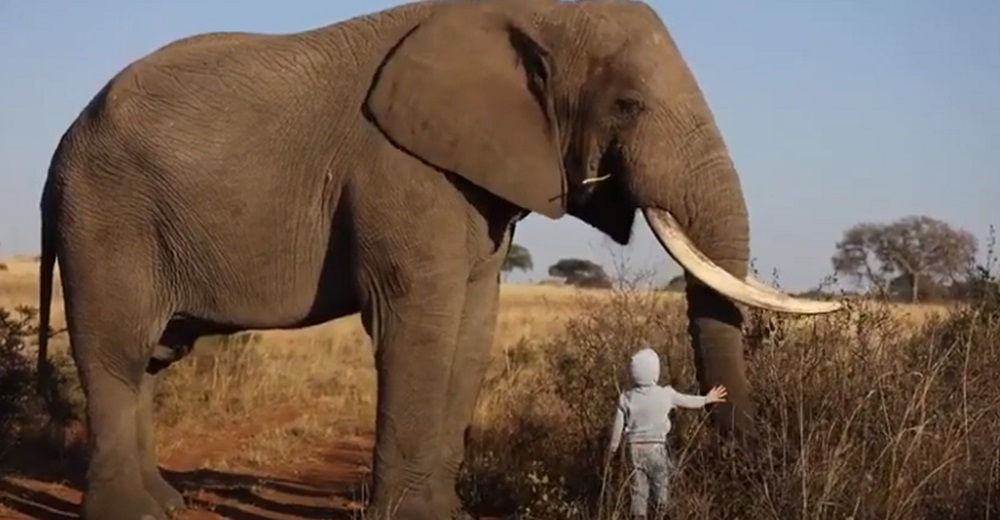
(518, 257)
(579, 272)
(909, 253)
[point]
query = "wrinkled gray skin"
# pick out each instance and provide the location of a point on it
(237, 181)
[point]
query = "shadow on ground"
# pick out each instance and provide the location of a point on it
(47, 488)
(31, 503)
(248, 496)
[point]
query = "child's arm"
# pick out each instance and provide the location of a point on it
(715, 395)
(688, 400)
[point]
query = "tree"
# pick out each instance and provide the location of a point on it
(906, 254)
(581, 273)
(518, 257)
(901, 288)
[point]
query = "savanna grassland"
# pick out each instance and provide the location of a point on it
(883, 411)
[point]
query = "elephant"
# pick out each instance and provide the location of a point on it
(236, 181)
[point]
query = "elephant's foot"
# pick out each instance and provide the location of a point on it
(433, 503)
(378, 511)
(458, 513)
(413, 507)
(170, 500)
(461, 514)
(447, 500)
(120, 499)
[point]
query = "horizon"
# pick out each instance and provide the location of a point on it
(834, 114)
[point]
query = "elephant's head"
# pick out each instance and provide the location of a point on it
(587, 108)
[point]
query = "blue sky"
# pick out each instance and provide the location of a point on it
(835, 111)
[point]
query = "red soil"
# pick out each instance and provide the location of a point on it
(328, 486)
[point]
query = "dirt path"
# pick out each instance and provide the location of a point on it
(329, 485)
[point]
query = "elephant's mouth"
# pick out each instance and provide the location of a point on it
(749, 292)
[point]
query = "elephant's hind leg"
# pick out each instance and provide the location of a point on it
(176, 341)
(112, 341)
(113, 387)
(165, 495)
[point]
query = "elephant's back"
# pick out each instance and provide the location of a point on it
(216, 110)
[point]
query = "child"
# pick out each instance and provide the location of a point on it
(643, 416)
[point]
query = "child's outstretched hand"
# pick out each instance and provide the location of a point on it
(717, 394)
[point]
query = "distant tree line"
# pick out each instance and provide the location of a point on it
(569, 271)
(913, 259)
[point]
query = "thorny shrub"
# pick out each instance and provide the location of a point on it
(24, 416)
(17, 376)
(859, 415)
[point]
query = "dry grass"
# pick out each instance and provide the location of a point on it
(527, 311)
(879, 412)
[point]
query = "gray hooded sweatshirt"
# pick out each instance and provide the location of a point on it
(643, 410)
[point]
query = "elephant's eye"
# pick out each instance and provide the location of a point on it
(628, 106)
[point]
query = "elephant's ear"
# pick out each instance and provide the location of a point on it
(468, 91)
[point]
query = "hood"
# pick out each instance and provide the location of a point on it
(645, 367)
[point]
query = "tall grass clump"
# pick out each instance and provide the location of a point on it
(17, 378)
(860, 414)
(31, 426)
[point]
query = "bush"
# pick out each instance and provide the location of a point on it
(26, 420)
(859, 416)
(17, 377)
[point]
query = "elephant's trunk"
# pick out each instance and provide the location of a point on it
(706, 211)
(714, 321)
(699, 216)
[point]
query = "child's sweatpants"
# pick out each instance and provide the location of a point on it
(651, 467)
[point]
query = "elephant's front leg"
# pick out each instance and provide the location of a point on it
(471, 361)
(414, 334)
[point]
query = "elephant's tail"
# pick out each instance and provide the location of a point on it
(46, 274)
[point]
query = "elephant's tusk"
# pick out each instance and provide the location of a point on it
(750, 291)
(752, 281)
(595, 179)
